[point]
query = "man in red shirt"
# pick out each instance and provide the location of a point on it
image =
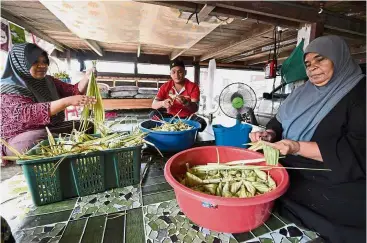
(179, 96)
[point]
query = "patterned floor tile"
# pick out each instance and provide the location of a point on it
(94, 229)
(158, 197)
(112, 201)
(164, 222)
(44, 219)
(134, 226)
(287, 234)
(159, 187)
(46, 233)
(274, 223)
(68, 204)
(16, 201)
(115, 228)
(74, 231)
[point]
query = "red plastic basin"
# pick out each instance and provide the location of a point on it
(230, 215)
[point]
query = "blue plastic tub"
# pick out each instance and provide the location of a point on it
(235, 136)
(170, 141)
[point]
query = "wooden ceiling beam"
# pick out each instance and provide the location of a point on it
(285, 48)
(225, 12)
(204, 12)
(355, 51)
(282, 56)
(261, 49)
(360, 58)
(223, 49)
(272, 9)
(255, 18)
(299, 13)
(123, 57)
(176, 53)
(12, 18)
(236, 66)
(94, 46)
(346, 36)
(182, 5)
(358, 50)
(330, 4)
(202, 15)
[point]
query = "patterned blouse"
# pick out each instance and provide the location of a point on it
(19, 113)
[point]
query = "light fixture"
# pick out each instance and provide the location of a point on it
(279, 28)
(321, 8)
(245, 17)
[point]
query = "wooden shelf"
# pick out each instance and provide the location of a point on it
(127, 104)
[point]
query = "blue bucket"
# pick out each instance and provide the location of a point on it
(170, 141)
(235, 136)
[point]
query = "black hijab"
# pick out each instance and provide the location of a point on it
(18, 80)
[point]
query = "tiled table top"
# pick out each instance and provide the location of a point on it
(141, 213)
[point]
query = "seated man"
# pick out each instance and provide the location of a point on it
(179, 96)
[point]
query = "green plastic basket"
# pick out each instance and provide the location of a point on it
(80, 175)
(44, 188)
(126, 165)
(47, 185)
(88, 173)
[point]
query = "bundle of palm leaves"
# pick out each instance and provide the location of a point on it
(93, 112)
(77, 142)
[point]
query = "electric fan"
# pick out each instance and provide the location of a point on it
(238, 101)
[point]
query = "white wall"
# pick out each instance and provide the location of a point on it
(255, 79)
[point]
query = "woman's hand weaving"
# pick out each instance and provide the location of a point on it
(268, 135)
(285, 146)
(80, 100)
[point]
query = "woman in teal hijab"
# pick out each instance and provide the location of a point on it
(322, 124)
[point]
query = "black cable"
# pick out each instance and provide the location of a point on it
(276, 65)
(270, 48)
(269, 54)
(275, 43)
(196, 15)
(279, 41)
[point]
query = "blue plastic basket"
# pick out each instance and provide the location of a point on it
(170, 141)
(235, 136)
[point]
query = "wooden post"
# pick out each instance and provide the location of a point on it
(136, 67)
(316, 30)
(68, 60)
(197, 73)
(309, 32)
